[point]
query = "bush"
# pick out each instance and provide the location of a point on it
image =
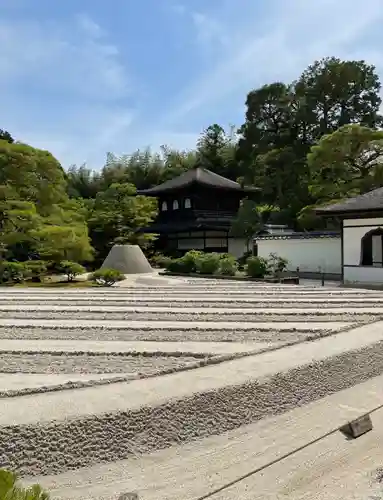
(174, 266)
(228, 266)
(208, 263)
(161, 261)
(10, 489)
(186, 264)
(70, 269)
(276, 265)
(13, 272)
(256, 267)
(36, 269)
(107, 277)
(189, 261)
(242, 260)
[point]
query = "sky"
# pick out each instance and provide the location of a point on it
(84, 77)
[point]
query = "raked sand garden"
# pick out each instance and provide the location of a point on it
(175, 388)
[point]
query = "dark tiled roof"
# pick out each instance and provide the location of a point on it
(370, 201)
(199, 175)
(299, 236)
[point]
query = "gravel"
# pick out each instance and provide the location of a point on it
(195, 301)
(360, 316)
(54, 447)
(111, 334)
(91, 363)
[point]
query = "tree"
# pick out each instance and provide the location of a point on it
(33, 174)
(70, 269)
(250, 219)
(346, 163)
(58, 243)
(17, 221)
(337, 93)
(209, 147)
(284, 121)
(6, 136)
(82, 182)
(117, 215)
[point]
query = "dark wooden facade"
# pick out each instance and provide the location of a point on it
(195, 211)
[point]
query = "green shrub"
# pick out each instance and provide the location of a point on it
(228, 266)
(161, 261)
(242, 260)
(186, 264)
(36, 269)
(208, 263)
(70, 269)
(13, 272)
(256, 267)
(189, 261)
(10, 489)
(107, 277)
(174, 266)
(276, 265)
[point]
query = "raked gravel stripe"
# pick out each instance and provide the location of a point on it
(70, 346)
(197, 302)
(175, 473)
(172, 325)
(190, 289)
(18, 381)
(156, 391)
(73, 443)
(219, 311)
(202, 336)
(358, 315)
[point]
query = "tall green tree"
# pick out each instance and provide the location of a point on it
(117, 215)
(336, 93)
(283, 122)
(6, 136)
(250, 219)
(82, 182)
(347, 162)
(34, 175)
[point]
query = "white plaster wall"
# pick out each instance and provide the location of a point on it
(363, 275)
(352, 237)
(363, 222)
(237, 247)
(307, 254)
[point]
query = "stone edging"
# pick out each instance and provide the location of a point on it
(286, 280)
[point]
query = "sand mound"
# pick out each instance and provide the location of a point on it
(129, 259)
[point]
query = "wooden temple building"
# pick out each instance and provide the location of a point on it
(195, 211)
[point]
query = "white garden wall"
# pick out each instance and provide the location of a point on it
(309, 254)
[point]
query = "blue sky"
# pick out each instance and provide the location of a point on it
(83, 77)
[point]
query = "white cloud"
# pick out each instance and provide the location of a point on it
(210, 33)
(293, 34)
(76, 84)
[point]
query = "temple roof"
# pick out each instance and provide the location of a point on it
(196, 175)
(368, 202)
